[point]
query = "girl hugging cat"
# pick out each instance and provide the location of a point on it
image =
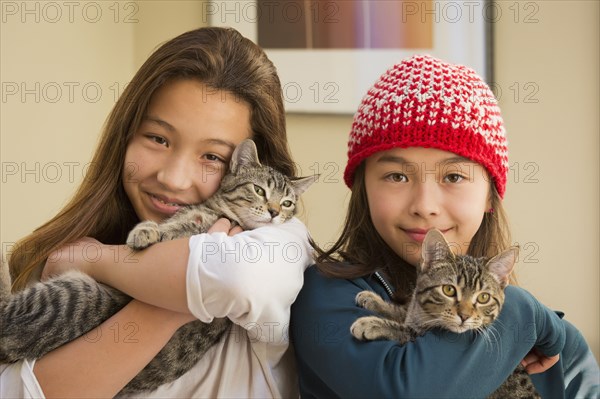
(427, 151)
(166, 145)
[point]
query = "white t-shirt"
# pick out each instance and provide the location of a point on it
(252, 278)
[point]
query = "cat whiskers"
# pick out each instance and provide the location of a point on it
(491, 337)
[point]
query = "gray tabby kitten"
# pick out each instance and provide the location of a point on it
(453, 292)
(49, 314)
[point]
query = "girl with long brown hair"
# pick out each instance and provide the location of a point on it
(166, 144)
(427, 150)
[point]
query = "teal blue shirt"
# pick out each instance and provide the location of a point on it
(440, 364)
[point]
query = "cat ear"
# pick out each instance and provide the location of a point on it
(244, 155)
(434, 248)
(502, 265)
(302, 184)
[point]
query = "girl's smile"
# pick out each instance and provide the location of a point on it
(163, 204)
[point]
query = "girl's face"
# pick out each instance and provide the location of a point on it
(413, 190)
(182, 148)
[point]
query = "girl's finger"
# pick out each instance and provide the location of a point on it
(541, 364)
(531, 357)
(235, 230)
(221, 226)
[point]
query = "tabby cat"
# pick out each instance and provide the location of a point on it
(48, 314)
(453, 292)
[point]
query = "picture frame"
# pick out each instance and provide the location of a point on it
(328, 53)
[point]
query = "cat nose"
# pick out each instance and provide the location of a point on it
(463, 316)
(273, 212)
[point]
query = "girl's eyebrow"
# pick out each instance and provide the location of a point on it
(160, 122)
(456, 159)
(392, 158)
(401, 160)
(220, 142)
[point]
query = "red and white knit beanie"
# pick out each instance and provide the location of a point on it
(425, 102)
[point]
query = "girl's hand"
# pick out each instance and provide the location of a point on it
(73, 256)
(224, 226)
(536, 362)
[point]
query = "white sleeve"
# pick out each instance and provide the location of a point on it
(18, 381)
(252, 277)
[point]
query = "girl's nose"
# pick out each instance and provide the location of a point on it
(175, 174)
(425, 201)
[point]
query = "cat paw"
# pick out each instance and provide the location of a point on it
(368, 300)
(144, 235)
(366, 328)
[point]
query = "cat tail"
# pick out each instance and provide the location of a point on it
(48, 314)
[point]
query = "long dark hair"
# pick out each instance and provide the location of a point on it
(222, 59)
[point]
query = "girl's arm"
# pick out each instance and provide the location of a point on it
(251, 277)
(155, 276)
(332, 363)
(102, 362)
(581, 371)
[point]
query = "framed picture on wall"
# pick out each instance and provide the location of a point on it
(329, 52)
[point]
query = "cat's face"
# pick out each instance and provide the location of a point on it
(259, 195)
(262, 196)
(459, 294)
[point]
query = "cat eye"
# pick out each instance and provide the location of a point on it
(483, 298)
(449, 290)
(286, 203)
(259, 190)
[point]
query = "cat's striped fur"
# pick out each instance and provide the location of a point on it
(48, 314)
(453, 292)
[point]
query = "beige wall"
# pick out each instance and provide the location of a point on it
(549, 53)
(554, 146)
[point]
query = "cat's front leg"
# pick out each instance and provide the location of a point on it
(373, 302)
(143, 235)
(371, 328)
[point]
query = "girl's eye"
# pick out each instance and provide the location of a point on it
(213, 158)
(453, 178)
(286, 203)
(259, 190)
(449, 290)
(158, 140)
(397, 177)
(483, 298)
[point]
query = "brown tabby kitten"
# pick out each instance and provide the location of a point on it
(453, 292)
(49, 314)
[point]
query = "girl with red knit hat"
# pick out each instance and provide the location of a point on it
(427, 150)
